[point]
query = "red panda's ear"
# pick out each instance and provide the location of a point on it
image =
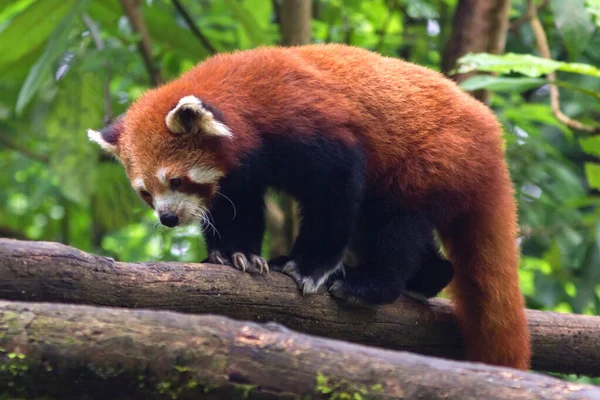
(108, 137)
(190, 116)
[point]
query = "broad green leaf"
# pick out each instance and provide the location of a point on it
(525, 64)
(592, 173)
(27, 31)
(574, 24)
(501, 84)
(11, 9)
(56, 45)
(591, 145)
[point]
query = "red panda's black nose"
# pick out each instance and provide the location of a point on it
(169, 219)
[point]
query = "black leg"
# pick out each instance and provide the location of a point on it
(392, 246)
(433, 276)
(327, 221)
(237, 230)
(329, 208)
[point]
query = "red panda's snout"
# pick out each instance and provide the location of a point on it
(180, 198)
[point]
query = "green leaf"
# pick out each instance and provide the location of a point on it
(25, 31)
(592, 173)
(525, 64)
(574, 24)
(501, 84)
(591, 145)
(247, 21)
(56, 45)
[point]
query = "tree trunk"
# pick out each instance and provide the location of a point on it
(52, 272)
(295, 17)
(75, 352)
(478, 26)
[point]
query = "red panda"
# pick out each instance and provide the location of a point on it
(379, 152)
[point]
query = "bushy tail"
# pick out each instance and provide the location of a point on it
(489, 304)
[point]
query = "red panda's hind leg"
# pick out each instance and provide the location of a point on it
(396, 253)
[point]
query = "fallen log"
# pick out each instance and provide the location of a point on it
(74, 352)
(42, 271)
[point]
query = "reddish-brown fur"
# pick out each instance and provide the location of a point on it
(435, 147)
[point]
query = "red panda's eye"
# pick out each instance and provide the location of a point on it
(175, 183)
(145, 194)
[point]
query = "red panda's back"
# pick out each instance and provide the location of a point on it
(423, 130)
(412, 122)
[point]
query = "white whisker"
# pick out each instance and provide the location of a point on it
(233, 205)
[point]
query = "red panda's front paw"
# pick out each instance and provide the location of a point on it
(308, 276)
(246, 262)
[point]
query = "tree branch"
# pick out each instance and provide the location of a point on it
(544, 49)
(193, 27)
(11, 144)
(144, 45)
(516, 24)
(74, 352)
(43, 271)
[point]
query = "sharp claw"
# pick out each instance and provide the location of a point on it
(264, 266)
(239, 260)
(336, 288)
(260, 264)
(216, 258)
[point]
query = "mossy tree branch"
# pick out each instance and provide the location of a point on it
(43, 271)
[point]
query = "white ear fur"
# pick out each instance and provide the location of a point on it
(96, 136)
(190, 117)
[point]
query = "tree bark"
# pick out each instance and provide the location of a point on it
(75, 352)
(52, 272)
(478, 26)
(295, 17)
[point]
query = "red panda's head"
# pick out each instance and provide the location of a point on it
(170, 148)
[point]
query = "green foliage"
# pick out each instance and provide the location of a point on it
(574, 24)
(57, 186)
(525, 64)
(501, 84)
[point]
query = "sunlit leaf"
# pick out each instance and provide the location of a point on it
(592, 173)
(501, 84)
(591, 145)
(574, 24)
(55, 46)
(525, 64)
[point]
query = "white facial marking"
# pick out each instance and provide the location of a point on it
(206, 123)
(202, 174)
(187, 207)
(162, 176)
(189, 100)
(96, 136)
(138, 184)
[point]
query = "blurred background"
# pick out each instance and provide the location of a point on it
(69, 65)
